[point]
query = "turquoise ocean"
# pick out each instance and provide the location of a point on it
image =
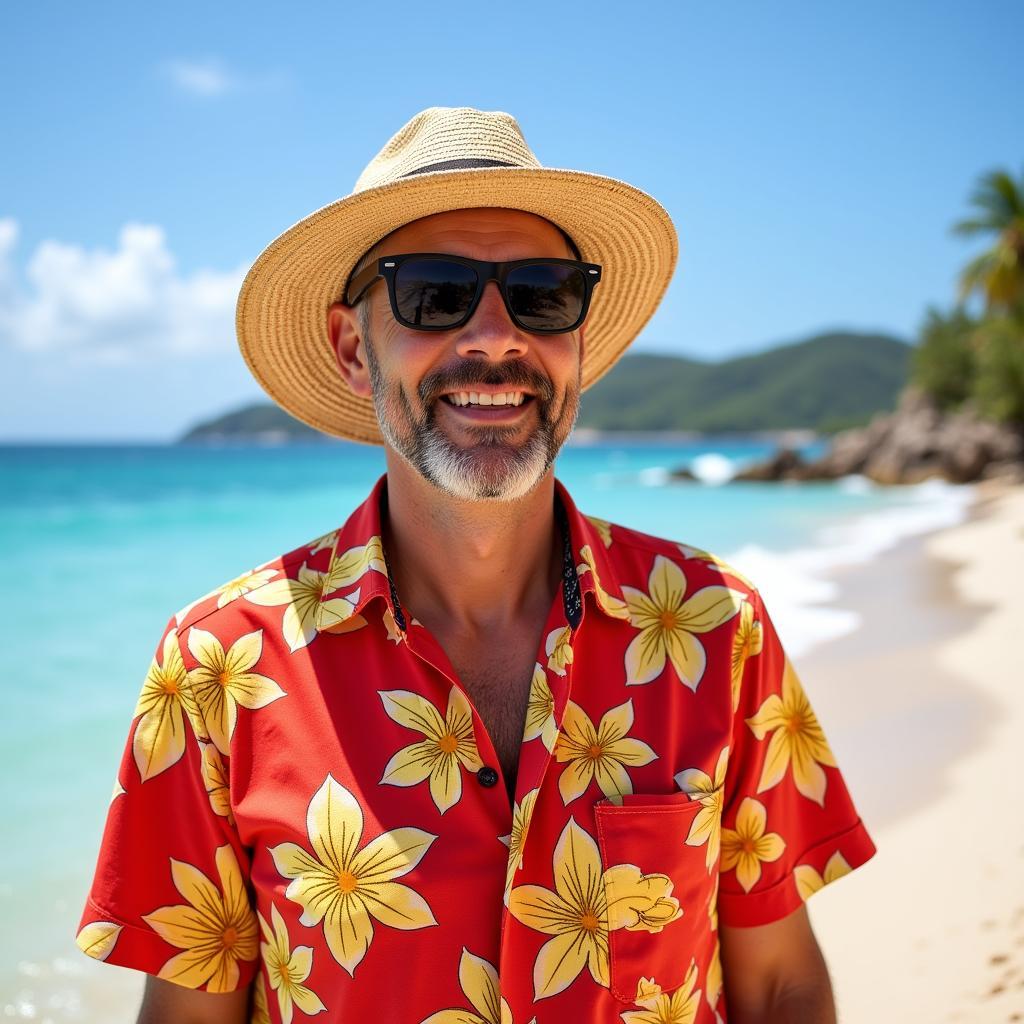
(99, 545)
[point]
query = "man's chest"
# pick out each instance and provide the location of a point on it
(497, 682)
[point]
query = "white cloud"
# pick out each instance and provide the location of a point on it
(200, 77)
(210, 77)
(116, 306)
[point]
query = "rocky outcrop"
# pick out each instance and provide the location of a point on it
(914, 443)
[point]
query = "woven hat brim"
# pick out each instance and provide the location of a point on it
(281, 316)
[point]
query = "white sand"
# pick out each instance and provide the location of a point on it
(932, 928)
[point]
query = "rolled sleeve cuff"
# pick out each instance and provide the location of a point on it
(763, 906)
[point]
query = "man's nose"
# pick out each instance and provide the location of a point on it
(490, 332)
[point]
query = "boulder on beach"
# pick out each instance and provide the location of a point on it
(916, 442)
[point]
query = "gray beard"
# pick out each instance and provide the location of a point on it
(492, 469)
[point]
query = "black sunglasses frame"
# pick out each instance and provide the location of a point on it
(387, 268)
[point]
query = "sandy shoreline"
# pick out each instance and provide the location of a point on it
(924, 706)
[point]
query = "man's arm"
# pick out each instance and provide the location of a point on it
(775, 973)
(167, 1003)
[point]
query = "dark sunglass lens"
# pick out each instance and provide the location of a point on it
(434, 293)
(546, 296)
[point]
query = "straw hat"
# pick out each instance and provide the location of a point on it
(445, 158)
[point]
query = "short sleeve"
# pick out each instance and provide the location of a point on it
(170, 895)
(789, 826)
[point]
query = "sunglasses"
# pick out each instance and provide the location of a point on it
(435, 292)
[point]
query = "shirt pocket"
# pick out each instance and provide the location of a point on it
(649, 833)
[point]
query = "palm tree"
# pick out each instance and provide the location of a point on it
(998, 273)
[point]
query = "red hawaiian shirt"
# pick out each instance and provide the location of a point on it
(308, 797)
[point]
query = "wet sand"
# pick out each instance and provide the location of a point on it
(924, 706)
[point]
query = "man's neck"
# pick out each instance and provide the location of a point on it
(474, 565)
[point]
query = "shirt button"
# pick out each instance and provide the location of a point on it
(487, 776)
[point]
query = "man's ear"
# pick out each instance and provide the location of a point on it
(345, 335)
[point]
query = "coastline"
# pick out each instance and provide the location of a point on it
(924, 709)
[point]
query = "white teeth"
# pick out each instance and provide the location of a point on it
(478, 398)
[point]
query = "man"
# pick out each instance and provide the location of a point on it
(473, 756)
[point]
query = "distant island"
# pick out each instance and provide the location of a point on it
(824, 384)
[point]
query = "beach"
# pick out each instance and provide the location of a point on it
(924, 706)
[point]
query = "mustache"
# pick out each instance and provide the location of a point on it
(463, 375)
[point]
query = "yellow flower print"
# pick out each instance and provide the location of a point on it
(287, 970)
(450, 745)
(215, 779)
(260, 1010)
(338, 615)
(745, 644)
(356, 562)
(216, 928)
(713, 981)
(644, 902)
(669, 624)
(165, 699)
(119, 790)
(706, 556)
(678, 1007)
(558, 650)
(647, 991)
(748, 845)
(713, 905)
(227, 592)
(223, 680)
(604, 529)
(321, 543)
(540, 710)
(582, 910)
(479, 982)
(243, 584)
(516, 840)
(576, 914)
(394, 633)
(346, 888)
(602, 753)
(303, 596)
(610, 605)
(798, 738)
(706, 826)
(808, 881)
(98, 938)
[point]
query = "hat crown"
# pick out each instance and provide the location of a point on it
(447, 139)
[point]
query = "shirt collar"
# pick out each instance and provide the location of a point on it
(358, 570)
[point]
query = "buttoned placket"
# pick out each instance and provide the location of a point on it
(534, 758)
(566, 612)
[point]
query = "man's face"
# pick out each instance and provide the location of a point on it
(473, 451)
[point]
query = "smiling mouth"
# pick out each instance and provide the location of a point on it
(481, 399)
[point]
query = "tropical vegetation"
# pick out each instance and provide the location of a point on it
(977, 357)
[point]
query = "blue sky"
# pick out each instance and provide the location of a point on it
(812, 156)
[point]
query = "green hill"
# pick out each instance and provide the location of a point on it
(827, 383)
(261, 421)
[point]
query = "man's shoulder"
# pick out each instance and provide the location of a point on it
(629, 549)
(277, 581)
